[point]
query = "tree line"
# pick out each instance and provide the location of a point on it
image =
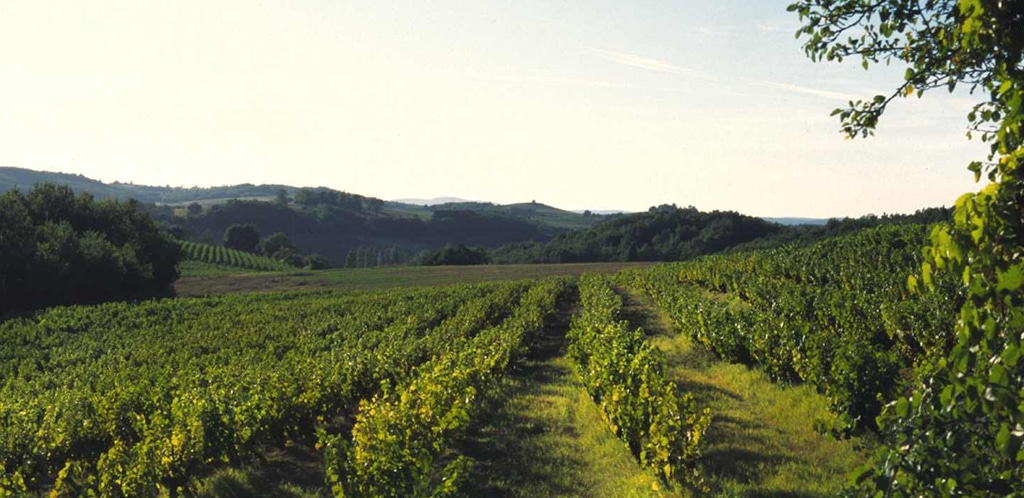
(669, 233)
(664, 233)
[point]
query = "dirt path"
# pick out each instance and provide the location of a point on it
(762, 440)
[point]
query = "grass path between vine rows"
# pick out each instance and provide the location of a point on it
(546, 436)
(543, 435)
(762, 440)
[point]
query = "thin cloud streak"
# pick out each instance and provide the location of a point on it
(648, 63)
(577, 82)
(716, 31)
(826, 94)
(719, 92)
(789, 28)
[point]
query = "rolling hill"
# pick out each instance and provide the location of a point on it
(330, 222)
(358, 231)
(24, 179)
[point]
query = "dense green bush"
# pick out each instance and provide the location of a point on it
(457, 255)
(58, 248)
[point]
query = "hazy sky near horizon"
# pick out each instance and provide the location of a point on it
(593, 104)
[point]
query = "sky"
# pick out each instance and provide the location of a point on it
(594, 104)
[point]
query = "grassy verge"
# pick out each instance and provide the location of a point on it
(293, 472)
(762, 440)
(380, 278)
(546, 437)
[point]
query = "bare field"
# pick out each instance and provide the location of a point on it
(358, 279)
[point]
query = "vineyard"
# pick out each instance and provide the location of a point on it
(838, 315)
(209, 254)
(139, 400)
(386, 388)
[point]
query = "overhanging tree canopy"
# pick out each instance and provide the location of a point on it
(962, 431)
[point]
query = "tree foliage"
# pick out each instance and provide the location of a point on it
(194, 209)
(315, 262)
(281, 197)
(459, 255)
(242, 237)
(278, 246)
(961, 431)
(664, 233)
(56, 248)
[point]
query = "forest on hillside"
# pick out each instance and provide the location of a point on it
(340, 224)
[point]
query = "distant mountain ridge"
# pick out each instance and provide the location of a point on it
(797, 221)
(25, 179)
(431, 202)
(358, 231)
(332, 223)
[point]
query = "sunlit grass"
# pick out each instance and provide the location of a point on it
(294, 472)
(545, 437)
(548, 439)
(762, 440)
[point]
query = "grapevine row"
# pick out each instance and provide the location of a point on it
(625, 376)
(837, 314)
(142, 399)
(402, 442)
(212, 254)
